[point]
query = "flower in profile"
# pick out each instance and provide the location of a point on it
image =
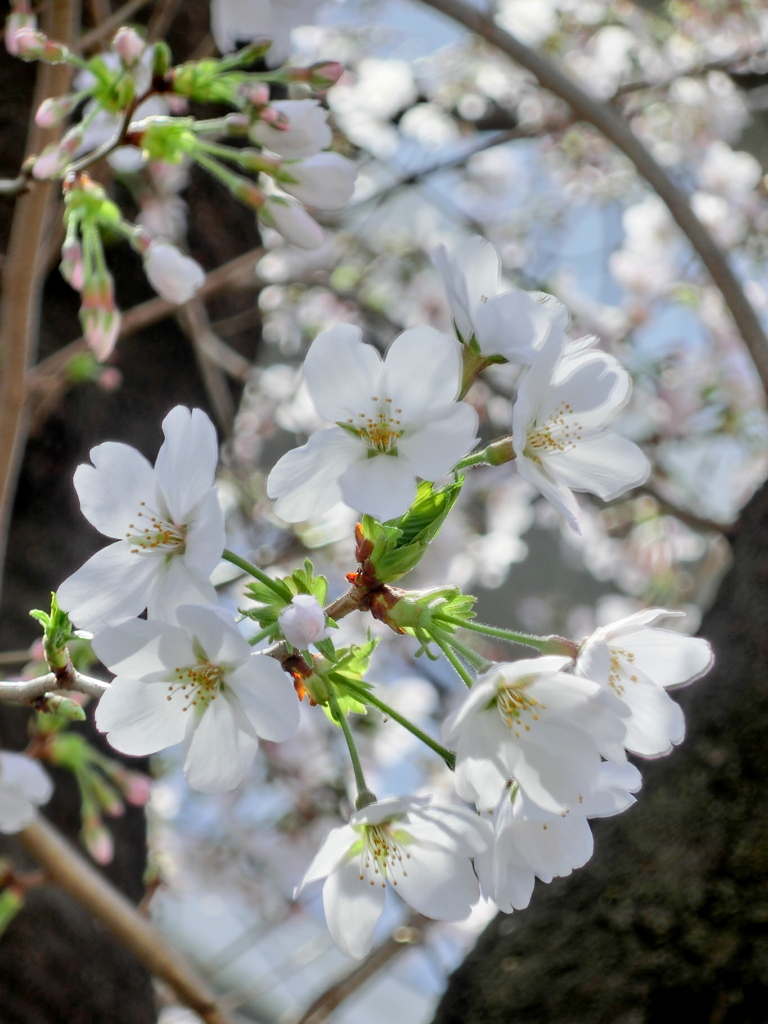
(558, 425)
(167, 524)
(512, 323)
(396, 419)
(531, 721)
(197, 683)
(24, 786)
(302, 129)
(240, 21)
(325, 180)
(173, 275)
(292, 221)
(303, 622)
(638, 662)
(530, 842)
(423, 850)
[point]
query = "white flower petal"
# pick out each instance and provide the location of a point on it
(352, 908)
(110, 587)
(423, 373)
(221, 747)
(175, 585)
(553, 766)
(22, 773)
(139, 719)
(470, 273)
(342, 373)
(187, 460)
(606, 465)
(220, 639)
(592, 384)
(383, 487)
(436, 883)
(267, 696)
(656, 723)
(433, 449)
(305, 481)
(16, 812)
(206, 537)
(336, 845)
(138, 647)
(668, 658)
(112, 489)
(556, 492)
(513, 325)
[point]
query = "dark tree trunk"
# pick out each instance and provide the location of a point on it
(669, 920)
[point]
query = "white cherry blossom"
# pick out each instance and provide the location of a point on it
(24, 786)
(531, 842)
(531, 721)
(167, 524)
(173, 275)
(235, 22)
(303, 622)
(558, 425)
(292, 221)
(325, 180)
(423, 850)
(197, 683)
(511, 323)
(306, 130)
(638, 662)
(397, 419)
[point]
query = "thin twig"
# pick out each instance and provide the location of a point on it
(23, 276)
(70, 870)
(29, 692)
(616, 129)
(322, 1007)
(692, 71)
(193, 320)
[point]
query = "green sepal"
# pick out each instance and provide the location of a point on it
(57, 633)
(168, 139)
(11, 902)
(399, 544)
(271, 603)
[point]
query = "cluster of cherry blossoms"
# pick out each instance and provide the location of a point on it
(130, 106)
(538, 746)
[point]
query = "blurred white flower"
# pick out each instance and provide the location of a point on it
(24, 786)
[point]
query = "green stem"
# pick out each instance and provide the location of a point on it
(478, 459)
(465, 677)
(225, 176)
(546, 645)
(261, 635)
(368, 698)
(258, 574)
(364, 795)
(477, 661)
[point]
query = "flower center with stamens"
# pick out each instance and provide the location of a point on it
(514, 704)
(381, 428)
(617, 670)
(382, 856)
(152, 534)
(197, 685)
(558, 433)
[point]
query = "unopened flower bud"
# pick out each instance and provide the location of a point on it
(292, 221)
(257, 95)
(320, 76)
(172, 274)
(71, 266)
(20, 18)
(129, 46)
(53, 111)
(97, 840)
(303, 621)
(56, 156)
(137, 788)
(99, 317)
(28, 43)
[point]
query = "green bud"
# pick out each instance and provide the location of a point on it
(169, 139)
(161, 59)
(57, 632)
(65, 707)
(11, 902)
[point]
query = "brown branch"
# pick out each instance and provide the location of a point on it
(23, 277)
(616, 129)
(322, 1007)
(193, 320)
(70, 870)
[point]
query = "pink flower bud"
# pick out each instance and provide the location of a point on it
(20, 18)
(53, 111)
(257, 95)
(99, 317)
(71, 266)
(129, 46)
(325, 73)
(137, 788)
(109, 380)
(27, 43)
(303, 621)
(51, 162)
(97, 841)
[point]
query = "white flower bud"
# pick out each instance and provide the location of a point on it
(172, 274)
(303, 621)
(306, 133)
(325, 181)
(292, 221)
